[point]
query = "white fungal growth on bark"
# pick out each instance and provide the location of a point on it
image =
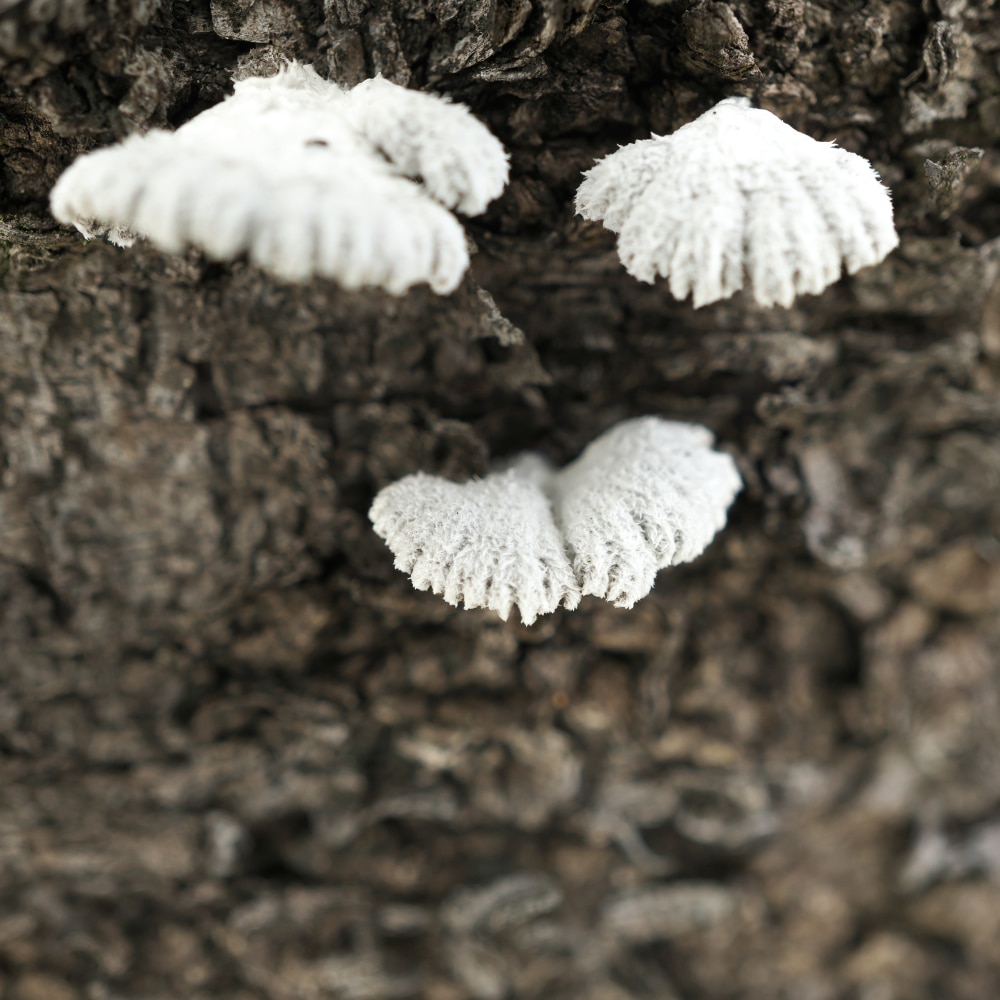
(737, 199)
(306, 178)
(647, 494)
(490, 543)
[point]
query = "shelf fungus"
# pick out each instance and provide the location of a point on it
(647, 494)
(737, 199)
(305, 177)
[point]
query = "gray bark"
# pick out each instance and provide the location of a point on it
(241, 758)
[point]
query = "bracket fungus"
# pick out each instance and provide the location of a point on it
(647, 494)
(304, 176)
(738, 198)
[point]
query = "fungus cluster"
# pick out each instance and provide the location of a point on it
(306, 178)
(647, 494)
(737, 199)
(310, 179)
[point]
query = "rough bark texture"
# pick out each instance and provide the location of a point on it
(240, 758)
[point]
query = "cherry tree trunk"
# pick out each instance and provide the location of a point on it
(241, 758)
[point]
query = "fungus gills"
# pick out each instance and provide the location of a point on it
(647, 494)
(737, 199)
(305, 177)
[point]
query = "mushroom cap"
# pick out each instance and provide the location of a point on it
(489, 543)
(303, 176)
(737, 199)
(647, 494)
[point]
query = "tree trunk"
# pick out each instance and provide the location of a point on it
(241, 758)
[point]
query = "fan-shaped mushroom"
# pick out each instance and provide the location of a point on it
(647, 494)
(305, 177)
(737, 199)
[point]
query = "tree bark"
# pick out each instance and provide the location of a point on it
(241, 758)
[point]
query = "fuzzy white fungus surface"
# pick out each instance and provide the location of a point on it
(306, 178)
(738, 199)
(647, 494)
(489, 543)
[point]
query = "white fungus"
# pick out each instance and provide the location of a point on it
(490, 543)
(306, 178)
(647, 494)
(737, 199)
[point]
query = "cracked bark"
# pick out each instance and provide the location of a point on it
(241, 758)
